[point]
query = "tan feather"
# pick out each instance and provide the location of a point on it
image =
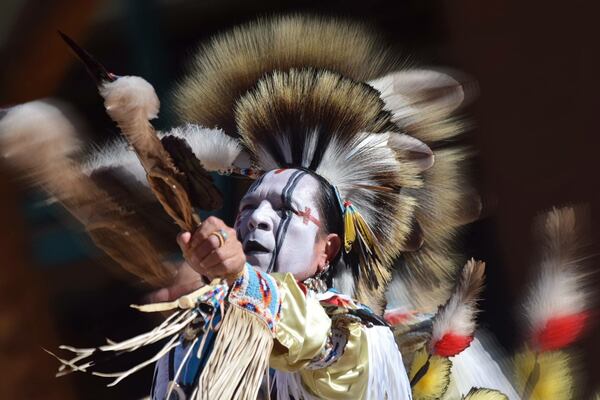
(230, 64)
(39, 139)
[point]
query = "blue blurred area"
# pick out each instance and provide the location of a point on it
(53, 243)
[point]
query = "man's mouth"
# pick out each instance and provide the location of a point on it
(252, 246)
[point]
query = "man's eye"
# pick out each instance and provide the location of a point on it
(247, 207)
(282, 209)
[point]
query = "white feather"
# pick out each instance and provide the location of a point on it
(556, 293)
(559, 289)
(387, 376)
(417, 95)
(28, 126)
(457, 318)
(458, 314)
(215, 150)
(129, 93)
(350, 170)
(114, 155)
(482, 364)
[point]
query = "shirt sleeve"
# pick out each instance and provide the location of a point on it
(303, 332)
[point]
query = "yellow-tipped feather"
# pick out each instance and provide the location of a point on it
(555, 379)
(434, 383)
(485, 394)
(349, 230)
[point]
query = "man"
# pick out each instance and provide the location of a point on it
(337, 140)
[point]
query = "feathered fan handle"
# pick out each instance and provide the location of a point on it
(203, 192)
(39, 140)
(454, 324)
(132, 102)
(557, 306)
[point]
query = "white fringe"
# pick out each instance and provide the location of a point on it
(289, 384)
(388, 378)
(169, 328)
(476, 367)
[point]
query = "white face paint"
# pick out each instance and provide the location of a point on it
(278, 222)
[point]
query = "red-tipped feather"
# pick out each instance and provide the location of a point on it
(557, 306)
(454, 324)
(451, 344)
(560, 332)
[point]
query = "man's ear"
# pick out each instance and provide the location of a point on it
(417, 95)
(333, 246)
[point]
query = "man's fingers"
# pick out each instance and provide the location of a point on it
(215, 258)
(183, 239)
(212, 243)
(221, 256)
(210, 225)
(201, 251)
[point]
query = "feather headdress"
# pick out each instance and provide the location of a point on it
(328, 96)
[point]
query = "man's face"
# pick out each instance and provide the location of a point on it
(278, 222)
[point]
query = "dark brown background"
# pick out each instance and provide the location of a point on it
(536, 63)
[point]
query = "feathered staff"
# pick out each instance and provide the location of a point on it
(452, 332)
(174, 175)
(132, 102)
(556, 310)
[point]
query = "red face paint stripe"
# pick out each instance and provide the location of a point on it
(307, 216)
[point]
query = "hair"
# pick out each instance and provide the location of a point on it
(331, 218)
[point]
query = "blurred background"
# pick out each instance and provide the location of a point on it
(535, 134)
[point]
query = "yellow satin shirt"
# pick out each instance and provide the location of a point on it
(303, 331)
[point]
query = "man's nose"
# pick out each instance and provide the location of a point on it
(261, 218)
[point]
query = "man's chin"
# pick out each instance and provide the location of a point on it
(259, 260)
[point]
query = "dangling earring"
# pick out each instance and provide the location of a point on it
(318, 282)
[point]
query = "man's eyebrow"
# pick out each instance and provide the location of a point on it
(247, 198)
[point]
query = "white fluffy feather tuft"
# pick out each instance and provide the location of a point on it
(457, 316)
(38, 137)
(350, 170)
(559, 290)
(116, 154)
(127, 94)
(215, 150)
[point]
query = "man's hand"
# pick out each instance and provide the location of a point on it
(204, 253)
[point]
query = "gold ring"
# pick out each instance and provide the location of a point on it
(221, 235)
